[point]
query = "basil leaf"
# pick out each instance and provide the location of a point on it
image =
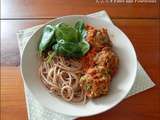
(80, 26)
(84, 46)
(65, 40)
(69, 49)
(47, 37)
(66, 32)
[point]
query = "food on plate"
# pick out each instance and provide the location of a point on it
(78, 62)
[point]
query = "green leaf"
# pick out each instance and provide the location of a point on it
(65, 40)
(80, 26)
(84, 46)
(69, 49)
(47, 37)
(66, 32)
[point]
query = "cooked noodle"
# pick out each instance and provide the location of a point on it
(61, 76)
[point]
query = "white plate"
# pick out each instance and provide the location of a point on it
(120, 85)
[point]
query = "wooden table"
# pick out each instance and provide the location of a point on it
(140, 21)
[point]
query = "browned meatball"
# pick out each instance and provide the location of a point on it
(98, 38)
(107, 58)
(96, 81)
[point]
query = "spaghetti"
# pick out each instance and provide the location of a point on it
(61, 76)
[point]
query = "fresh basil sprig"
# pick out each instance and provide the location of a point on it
(65, 40)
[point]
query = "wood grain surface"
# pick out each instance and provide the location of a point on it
(143, 106)
(140, 22)
(54, 8)
(13, 105)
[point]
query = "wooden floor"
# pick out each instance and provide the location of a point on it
(140, 21)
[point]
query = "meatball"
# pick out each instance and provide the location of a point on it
(98, 38)
(95, 82)
(97, 78)
(107, 58)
